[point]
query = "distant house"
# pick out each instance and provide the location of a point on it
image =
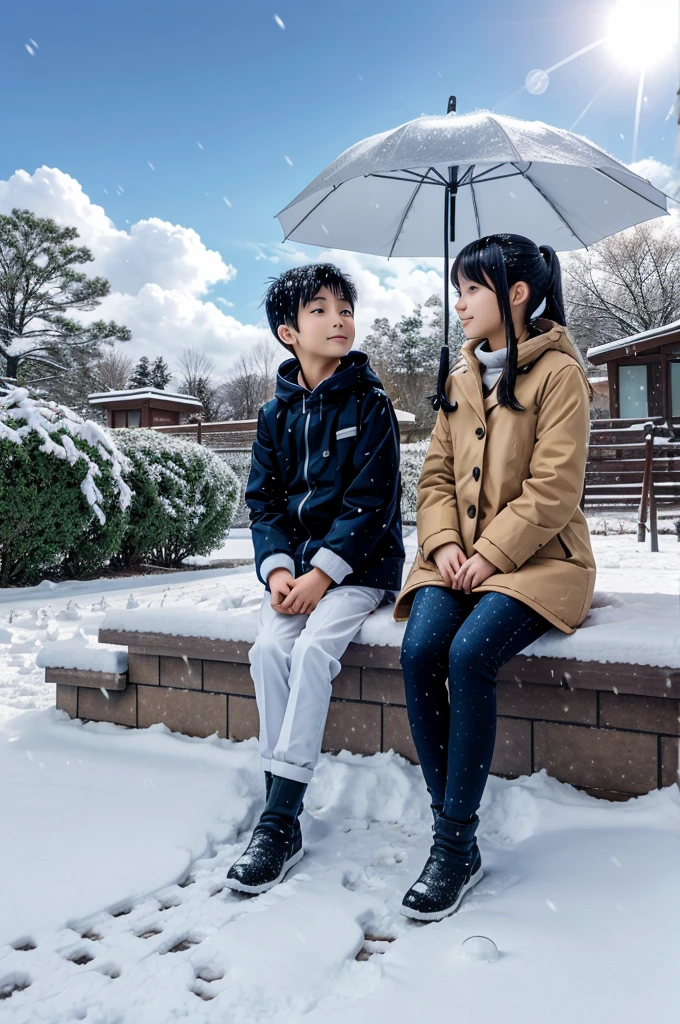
(643, 373)
(145, 407)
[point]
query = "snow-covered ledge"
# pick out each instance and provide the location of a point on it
(599, 709)
(84, 654)
(633, 629)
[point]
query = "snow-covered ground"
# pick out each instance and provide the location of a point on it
(116, 842)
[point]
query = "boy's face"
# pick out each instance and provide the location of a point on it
(325, 327)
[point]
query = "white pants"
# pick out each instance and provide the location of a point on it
(293, 662)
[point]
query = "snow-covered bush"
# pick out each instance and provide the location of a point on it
(63, 498)
(239, 460)
(184, 498)
(412, 459)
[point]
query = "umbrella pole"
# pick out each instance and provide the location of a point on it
(440, 401)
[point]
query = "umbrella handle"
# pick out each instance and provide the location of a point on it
(440, 401)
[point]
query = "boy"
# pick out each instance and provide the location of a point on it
(323, 495)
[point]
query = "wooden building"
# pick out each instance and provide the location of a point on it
(643, 373)
(145, 407)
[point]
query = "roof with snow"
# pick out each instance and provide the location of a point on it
(143, 394)
(633, 340)
(404, 417)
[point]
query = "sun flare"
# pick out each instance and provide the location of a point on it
(642, 34)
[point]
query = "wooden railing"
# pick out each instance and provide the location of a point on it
(634, 464)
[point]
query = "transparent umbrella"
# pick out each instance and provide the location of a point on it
(430, 186)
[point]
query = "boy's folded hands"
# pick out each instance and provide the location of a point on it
(299, 596)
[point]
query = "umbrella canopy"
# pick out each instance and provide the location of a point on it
(386, 194)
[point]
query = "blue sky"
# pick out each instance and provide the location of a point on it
(113, 87)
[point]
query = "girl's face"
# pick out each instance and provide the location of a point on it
(478, 309)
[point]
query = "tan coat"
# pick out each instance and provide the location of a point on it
(508, 484)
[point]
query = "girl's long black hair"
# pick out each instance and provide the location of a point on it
(503, 260)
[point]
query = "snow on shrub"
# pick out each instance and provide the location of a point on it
(412, 459)
(184, 498)
(239, 460)
(61, 489)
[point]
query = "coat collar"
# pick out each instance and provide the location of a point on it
(552, 336)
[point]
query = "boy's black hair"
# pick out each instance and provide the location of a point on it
(297, 287)
(504, 259)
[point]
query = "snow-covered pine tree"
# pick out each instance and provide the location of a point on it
(43, 286)
(141, 376)
(160, 373)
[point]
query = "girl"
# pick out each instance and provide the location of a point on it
(504, 550)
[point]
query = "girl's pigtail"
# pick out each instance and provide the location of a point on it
(508, 378)
(554, 303)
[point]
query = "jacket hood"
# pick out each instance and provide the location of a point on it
(353, 368)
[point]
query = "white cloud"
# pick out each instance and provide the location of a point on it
(159, 272)
(663, 176)
(164, 321)
(153, 251)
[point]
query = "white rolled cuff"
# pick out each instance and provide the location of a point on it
(333, 565)
(286, 770)
(277, 561)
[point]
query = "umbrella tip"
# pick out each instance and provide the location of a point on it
(451, 108)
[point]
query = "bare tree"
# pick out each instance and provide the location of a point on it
(112, 370)
(194, 366)
(623, 285)
(244, 391)
(265, 360)
(197, 376)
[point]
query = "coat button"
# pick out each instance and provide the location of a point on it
(476, 473)
(480, 432)
(472, 511)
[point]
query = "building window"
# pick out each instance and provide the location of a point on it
(127, 418)
(675, 389)
(633, 391)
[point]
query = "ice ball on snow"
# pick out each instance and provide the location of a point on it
(537, 82)
(479, 948)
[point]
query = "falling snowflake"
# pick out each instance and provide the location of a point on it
(226, 201)
(151, 165)
(30, 49)
(199, 144)
(279, 22)
(288, 159)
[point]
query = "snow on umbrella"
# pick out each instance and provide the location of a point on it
(430, 186)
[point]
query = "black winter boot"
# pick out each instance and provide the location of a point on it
(276, 843)
(268, 779)
(453, 867)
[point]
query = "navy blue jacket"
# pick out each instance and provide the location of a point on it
(324, 487)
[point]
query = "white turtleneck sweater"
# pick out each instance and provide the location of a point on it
(492, 363)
